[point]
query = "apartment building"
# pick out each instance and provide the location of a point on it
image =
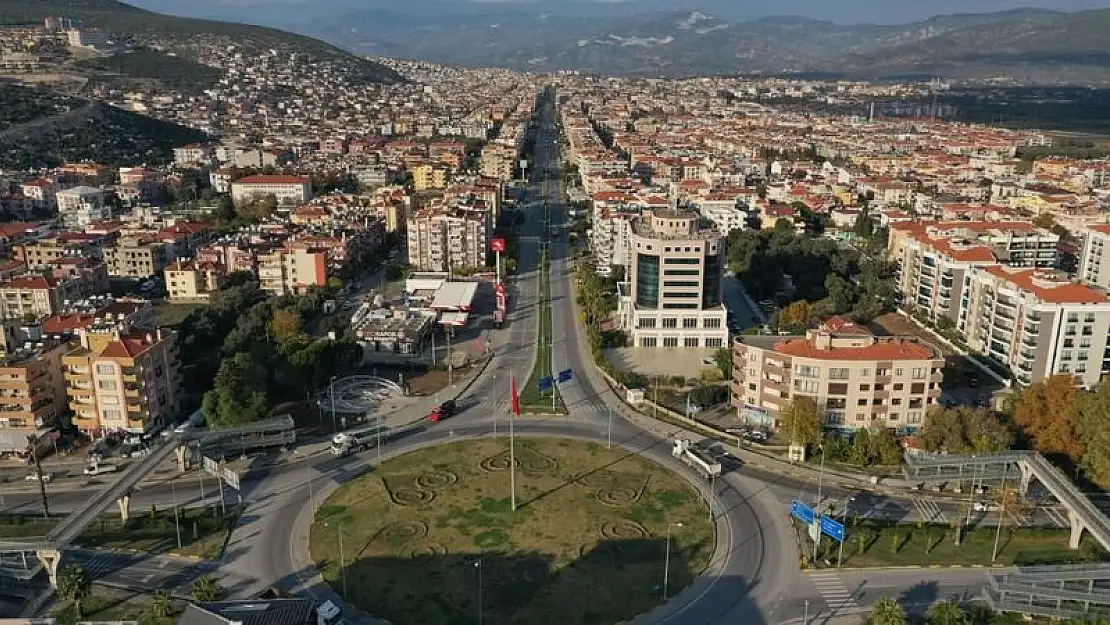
(137, 257)
(292, 270)
(32, 392)
(1038, 322)
(442, 239)
(230, 256)
(45, 252)
(677, 270)
(1094, 259)
(122, 379)
(288, 190)
(935, 260)
(81, 206)
(192, 281)
(858, 380)
(37, 295)
(426, 176)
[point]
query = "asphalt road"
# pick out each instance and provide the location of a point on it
(756, 579)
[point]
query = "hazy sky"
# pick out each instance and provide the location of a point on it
(842, 11)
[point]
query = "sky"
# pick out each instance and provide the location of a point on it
(840, 11)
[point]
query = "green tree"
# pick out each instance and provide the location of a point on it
(163, 604)
(885, 447)
(33, 446)
(1043, 411)
(723, 358)
(964, 430)
(206, 589)
(801, 421)
(887, 611)
(238, 395)
(75, 585)
(1091, 420)
(287, 327)
(860, 452)
(948, 613)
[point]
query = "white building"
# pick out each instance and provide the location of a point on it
(288, 190)
(444, 239)
(723, 213)
(81, 206)
(1094, 260)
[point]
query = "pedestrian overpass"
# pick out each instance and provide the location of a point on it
(182, 445)
(1023, 467)
(1080, 592)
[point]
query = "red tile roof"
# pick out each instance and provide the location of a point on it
(897, 349)
(1047, 289)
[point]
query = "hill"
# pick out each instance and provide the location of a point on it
(186, 36)
(41, 129)
(146, 64)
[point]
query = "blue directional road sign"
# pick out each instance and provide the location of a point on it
(545, 383)
(802, 512)
(832, 529)
(565, 375)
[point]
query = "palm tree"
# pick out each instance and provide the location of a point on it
(948, 613)
(206, 589)
(163, 604)
(887, 611)
(74, 585)
(33, 442)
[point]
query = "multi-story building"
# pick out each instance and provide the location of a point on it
(193, 281)
(1094, 259)
(137, 257)
(426, 176)
(37, 295)
(677, 271)
(32, 392)
(230, 256)
(292, 270)
(857, 379)
(122, 379)
(287, 190)
(47, 251)
(445, 239)
(1038, 322)
(81, 206)
(40, 195)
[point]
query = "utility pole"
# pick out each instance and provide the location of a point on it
(1001, 512)
(512, 457)
(331, 392)
(609, 428)
(176, 516)
(342, 559)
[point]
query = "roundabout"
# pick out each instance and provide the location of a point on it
(358, 394)
(431, 536)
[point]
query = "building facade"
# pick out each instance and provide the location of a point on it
(137, 258)
(32, 392)
(192, 281)
(448, 239)
(288, 190)
(292, 270)
(1094, 259)
(857, 379)
(676, 277)
(81, 206)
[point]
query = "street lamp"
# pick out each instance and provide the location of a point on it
(667, 560)
(331, 393)
(478, 565)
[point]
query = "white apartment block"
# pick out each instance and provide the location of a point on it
(442, 240)
(287, 190)
(723, 214)
(1038, 322)
(80, 206)
(1094, 259)
(676, 276)
(610, 239)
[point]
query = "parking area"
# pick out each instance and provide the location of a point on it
(688, 363)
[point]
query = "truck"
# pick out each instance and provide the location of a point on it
(327, 613)
(356, 440)
(698, 459)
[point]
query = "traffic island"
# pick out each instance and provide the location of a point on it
(431, 536)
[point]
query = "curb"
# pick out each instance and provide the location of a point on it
(904, 567)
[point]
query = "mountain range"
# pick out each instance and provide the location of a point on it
(639, 37)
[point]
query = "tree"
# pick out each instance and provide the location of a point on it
(885, 448)
(163, 604)
(33, 444)
(797, 313)
(287, 327)
(860, 452)
(238, 395)
(206, 589)
(783, 224)
(964, 430)
(75, 585)
(723, 358)
(1044, 220)
(948, 613)
(801, 421)
(1091, 420)
(887, 611)
(1043, 411)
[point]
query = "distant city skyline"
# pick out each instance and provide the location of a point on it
(839, 11)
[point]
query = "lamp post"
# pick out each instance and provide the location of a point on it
(667, 560)
(609, 428)
(176, 517)
(820, 483)
(478, 565)
(331, 394)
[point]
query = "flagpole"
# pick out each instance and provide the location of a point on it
(512, 445)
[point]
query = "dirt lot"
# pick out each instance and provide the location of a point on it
(893, 324)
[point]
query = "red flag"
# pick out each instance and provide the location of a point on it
(515, 397)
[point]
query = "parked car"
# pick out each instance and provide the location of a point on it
(444, 410)
(100, 469)
(34, 477)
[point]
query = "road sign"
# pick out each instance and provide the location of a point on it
(832, 529)
(565, 375)
(802, 512)
(211, 466)
(545, 383)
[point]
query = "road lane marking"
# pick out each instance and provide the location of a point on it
(929, 511)
(832, 591)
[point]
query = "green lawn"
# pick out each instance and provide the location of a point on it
(117, 606)
(907, 545)
(586, 543)
(531, 399)
(203, 531)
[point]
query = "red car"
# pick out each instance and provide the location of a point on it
(444, 410)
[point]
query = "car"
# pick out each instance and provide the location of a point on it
(985, 506)
(444, 410)
(100, 469)
(34, 477)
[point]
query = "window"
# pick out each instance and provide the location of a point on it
(898, 373)
(861, 402)
(899, 386)
(670, 341)
(864, 372)
(838, 373)
(918, 373)
(681, 283)
(110, 400)
(882, 372)
(1089, 318)
(917, 388)
(1065, 368)
(914, 416)
(689, 322)
(647, 280)
(838, 388)
(893, 416)
(897, 401)
(105, 369)
(648, 341)
(834, 417)
(1065, 355)
(107, 385)
(865, 388)
(682, 261)
(861, 416)
(670, 322)
(807, 371)
(805, 386)
(712, 323)
(111, 415)
(714, 343)
(1073, 317)
(646, 322)
(880, 387)
(690, 341)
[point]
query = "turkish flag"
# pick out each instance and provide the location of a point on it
(514, 395)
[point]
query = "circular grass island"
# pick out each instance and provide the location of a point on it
(432, 534)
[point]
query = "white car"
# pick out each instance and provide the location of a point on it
(34, 477)
(985, 506)
(100, 469)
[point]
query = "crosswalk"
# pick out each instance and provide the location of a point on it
(929, 511)
(833, 591)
